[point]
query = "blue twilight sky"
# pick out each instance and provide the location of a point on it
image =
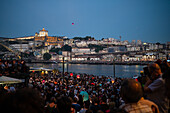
(146, 20)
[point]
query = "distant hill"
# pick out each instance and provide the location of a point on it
(2, 38)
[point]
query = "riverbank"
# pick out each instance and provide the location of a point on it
(111, 62)
(42, 61)
(95, 62)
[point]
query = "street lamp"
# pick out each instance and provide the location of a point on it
(114, 68)
(63, 68)
(67, 66)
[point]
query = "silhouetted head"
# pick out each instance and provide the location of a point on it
(154, 70)
(167, 82)
(22, 101)
(131, 91)
(64, 104)
(158, 62)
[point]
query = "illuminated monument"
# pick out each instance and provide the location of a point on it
(43, 32)
(43, 36)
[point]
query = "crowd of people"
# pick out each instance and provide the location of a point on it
(13, 67)
(84, 93)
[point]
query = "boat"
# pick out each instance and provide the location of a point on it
(135, 76)
(39, 69)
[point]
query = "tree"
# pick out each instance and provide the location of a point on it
(96, 47)
(85, 38)
(46, 56)
(56, 50)
(66, 48)
(89, 38)
(77, 38)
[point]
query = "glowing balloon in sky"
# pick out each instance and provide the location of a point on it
(72, 23)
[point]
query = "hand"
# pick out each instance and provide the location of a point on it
(146, 89)
(148, 82)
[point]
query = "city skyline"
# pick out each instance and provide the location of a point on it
(132, 20)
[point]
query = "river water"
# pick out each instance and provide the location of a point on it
(107, 70)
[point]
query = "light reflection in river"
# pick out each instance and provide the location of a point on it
(121, 70)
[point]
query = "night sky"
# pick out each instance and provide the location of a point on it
(146, 20)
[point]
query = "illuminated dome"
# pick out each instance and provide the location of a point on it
(43, 32)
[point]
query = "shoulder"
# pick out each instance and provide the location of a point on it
(151, 104)
(137, 107)
(156, 83)
(147, 102)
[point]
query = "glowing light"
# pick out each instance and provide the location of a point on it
(113, 81)
(46, 72)
(92, 84)
(55, 82)
(78, 76)
(43, 81)
(6, 87)
(72, 23)
(71, 74)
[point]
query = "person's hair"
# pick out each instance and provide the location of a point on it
(166, 76)
(95, 100)
(100, 111)
(146, 71)
(64, 104)
(52, 99)
(159, 61)
(87, 104)
(104, 99)
(80, 101)
(131, 91)
(89, 111)
(75, 99)
(22, 101)
(154, 68)
(164, 66)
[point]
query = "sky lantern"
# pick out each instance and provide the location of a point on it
(92, 84)
(55, 82)
(113, 81)
(78, 76)
(71, 74)
(43, 81)
(42, 72)
(46, 72)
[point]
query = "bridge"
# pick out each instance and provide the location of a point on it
(10, 48)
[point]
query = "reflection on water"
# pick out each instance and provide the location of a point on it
(121, 70)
